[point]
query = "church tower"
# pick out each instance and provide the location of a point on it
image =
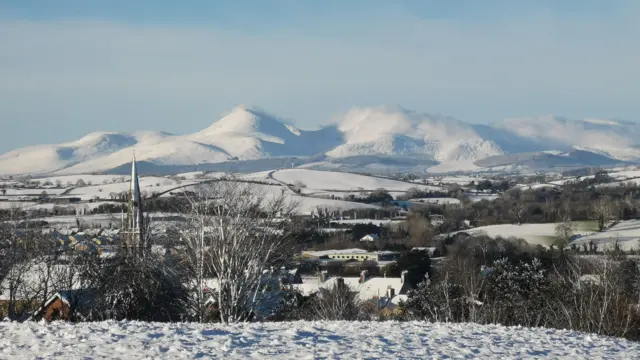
(133, 236)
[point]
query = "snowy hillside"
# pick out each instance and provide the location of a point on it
(301, 340)
(252, 134)
(396, 131)
(313, 180)
(378, 139)
(534, 234)
(43, 159)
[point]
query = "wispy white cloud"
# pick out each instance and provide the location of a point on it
(95, 74)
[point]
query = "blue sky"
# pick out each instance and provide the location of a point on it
(69, 67)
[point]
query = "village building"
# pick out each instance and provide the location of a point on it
(353, 254)
(68, 305)
(384, 292)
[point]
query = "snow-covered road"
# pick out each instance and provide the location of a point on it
(301, 340)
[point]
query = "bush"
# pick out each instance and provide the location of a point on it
(147, 289)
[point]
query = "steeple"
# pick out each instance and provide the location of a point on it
(133, 233)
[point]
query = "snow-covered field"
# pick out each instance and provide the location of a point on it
(309, 205)
(33, 191)
(461, 180)
(86, 178)
(341, 181)
(153, 184)
(147, 183)
(535, 234)
(626, 233)
(302, 340)
(480, 197)
(4, 205)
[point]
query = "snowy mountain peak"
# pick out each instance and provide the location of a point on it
(244, 120)
(367, 124)
(397, 131)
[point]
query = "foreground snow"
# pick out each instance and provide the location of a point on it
(302, 340)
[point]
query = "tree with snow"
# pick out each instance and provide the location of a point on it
(564, 232)
(236, 233)
(602, 211)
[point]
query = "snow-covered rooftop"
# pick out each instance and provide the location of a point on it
(372, 288)
(331, 252)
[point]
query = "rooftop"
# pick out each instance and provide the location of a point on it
(347, 252)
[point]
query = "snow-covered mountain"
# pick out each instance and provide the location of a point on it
(250, 134)
(43, 159)
(367, 138)
(396, 131)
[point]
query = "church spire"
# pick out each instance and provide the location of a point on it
(135, 184)
(133, 234)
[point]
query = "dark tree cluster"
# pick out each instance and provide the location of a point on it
(492, 282)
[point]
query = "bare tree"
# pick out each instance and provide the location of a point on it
(629, 202)
(324, 216)
(235, 232)
(27, 261)
(550, 209)
(518, 210)
(338, 302)
(564, 232)
(602, 211)
(420, 229)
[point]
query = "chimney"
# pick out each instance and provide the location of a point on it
(402, 275)
(391, 292)
(340, 282)
(323, 276)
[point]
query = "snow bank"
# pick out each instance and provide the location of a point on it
(302, 340)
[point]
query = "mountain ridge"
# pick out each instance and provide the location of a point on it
(383, 132)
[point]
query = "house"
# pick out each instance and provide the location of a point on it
(370, 237)
(29, 284)
(353, 254)
(68, 305)
(276, 284)
(380, 290)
